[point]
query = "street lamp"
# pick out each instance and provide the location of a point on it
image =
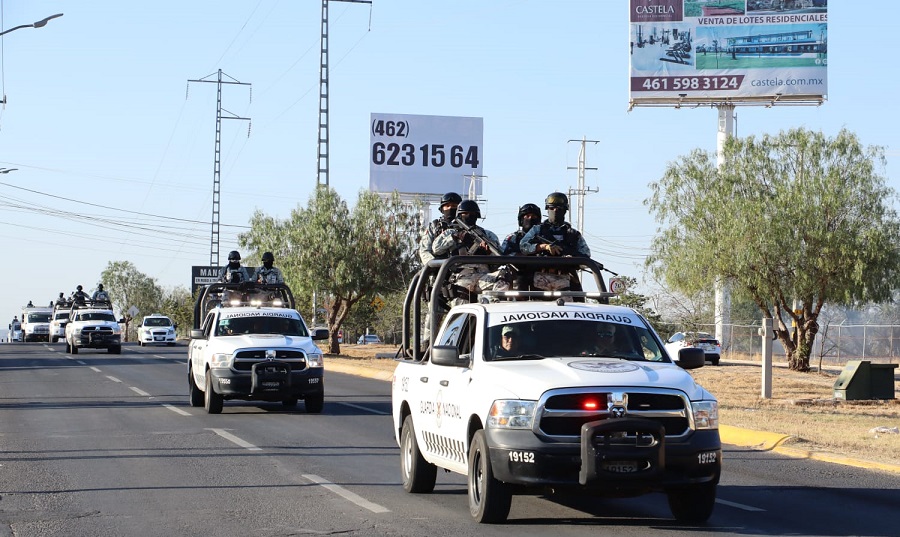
(7, 170)
(39, 24)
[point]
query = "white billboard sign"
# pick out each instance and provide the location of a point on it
(424, 154)
(728, 50)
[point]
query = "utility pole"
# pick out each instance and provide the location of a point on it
(581, 191)
(214, 232)
(322, 158)
(472, 188)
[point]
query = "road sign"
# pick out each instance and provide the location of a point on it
(617, 285)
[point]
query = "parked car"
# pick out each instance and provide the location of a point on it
(701, 340)
(368, 339)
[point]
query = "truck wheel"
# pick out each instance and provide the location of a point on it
(212, 401)
(74, 349)
(489, 499)
(196, 395)
(115, 350)
(692, 504)
(418, 474)
(53, 339)
(314, 403)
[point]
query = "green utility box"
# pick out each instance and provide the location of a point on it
(861, 379)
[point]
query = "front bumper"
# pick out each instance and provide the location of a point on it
(92, 340)
(604, 460)
(159, 339)
(269, 381)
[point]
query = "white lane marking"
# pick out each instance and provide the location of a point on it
(347, 495)
(95, 369)
(232, 438)
(739, 505)
(360, 407)
(80, 362)
(158, 356)
(177, 410)
(114, 379)
(139, 391)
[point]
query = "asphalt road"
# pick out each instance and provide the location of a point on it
(107, 445)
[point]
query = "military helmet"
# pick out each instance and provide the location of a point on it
(268, 256)
(557, 199)
(99, 286)
(450, 197)
(469, 206)
(79, 288)
(528, 208)
(234, 256)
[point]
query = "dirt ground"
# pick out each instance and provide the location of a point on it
(802, 405)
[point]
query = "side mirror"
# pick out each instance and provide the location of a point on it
(122, 321)
(320, 333)
(448, 355)
(197, 334)
(691, 358)
(175, 326)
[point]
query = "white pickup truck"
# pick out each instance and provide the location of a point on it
(93, 326)
(535, 391)
(36, 323)
(248, 342)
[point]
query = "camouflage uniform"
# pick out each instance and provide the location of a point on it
(468, 280)
(568, 239)
(435, 228)
(268, 275)
(227, 275)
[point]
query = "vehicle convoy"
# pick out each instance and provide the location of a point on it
(156, 329)
(531, 392)
(15, 332)
(36, 323)
(249, 342)
(93, 325)
(58, 322)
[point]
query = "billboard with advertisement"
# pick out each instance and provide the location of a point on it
(738, 51)
(424, 154)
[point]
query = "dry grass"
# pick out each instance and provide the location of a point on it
(801, 405)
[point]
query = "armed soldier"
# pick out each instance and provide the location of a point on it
(555, 237)
(268, 273)
(233, 272)
(529, 215)
(467, 238)
(449, 203)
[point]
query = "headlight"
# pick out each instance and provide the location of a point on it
(314, 359)
(511, 414)
(706, 414)
(117, 329)
(220, 360)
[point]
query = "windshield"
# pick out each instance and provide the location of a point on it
(157, 321)
(61, 316)
(96, 316)
(574, 337)
(285, 326)
(38, 318)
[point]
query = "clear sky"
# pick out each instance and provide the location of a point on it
(114, 162)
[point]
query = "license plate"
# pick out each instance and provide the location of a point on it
(620, 467)
(158, 338)
(271, 384)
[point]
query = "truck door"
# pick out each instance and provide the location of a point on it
(197, 350)
(448, 392)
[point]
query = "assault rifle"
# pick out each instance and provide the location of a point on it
(479, 235)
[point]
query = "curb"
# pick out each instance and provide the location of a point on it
(736, 436)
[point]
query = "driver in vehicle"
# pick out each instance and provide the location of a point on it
(510, 342)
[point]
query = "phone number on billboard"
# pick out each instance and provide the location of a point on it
(686, 83)
(426, 155)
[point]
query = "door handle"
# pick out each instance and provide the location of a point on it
(423, 379)
(445, 383)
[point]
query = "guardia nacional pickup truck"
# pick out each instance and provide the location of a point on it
(540, 391)
(249, 342)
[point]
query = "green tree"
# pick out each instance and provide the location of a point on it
(793, 217)
(345, 256)
(127, 287)
(178, 304)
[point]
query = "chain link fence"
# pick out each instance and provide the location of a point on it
(835, 344)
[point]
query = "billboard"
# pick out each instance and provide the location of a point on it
(424, 154)
(720, 51)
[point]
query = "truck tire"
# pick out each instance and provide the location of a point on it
(418, 474)
(692, 504)
(196, 395)
(314, 403)
(73, 349)
(489, 499)
(212, 401)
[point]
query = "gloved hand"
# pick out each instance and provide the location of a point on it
(551, 249)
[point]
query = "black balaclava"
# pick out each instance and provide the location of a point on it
(556, 215)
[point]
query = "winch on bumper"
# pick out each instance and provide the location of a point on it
(613, 455)
(99, 339)
(270, 380)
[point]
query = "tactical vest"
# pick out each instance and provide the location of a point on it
(435, 228)
(564, 236)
